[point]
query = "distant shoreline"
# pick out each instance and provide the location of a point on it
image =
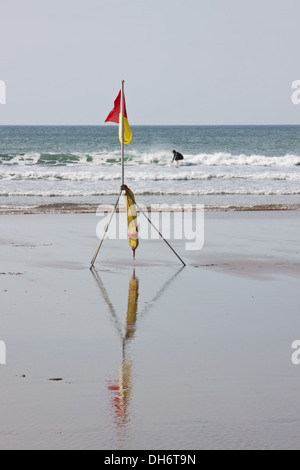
(151, 125)
(62, 208)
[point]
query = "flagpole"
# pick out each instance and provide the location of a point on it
(114, 116)
(122, 131)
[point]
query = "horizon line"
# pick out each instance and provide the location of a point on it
(149, 125)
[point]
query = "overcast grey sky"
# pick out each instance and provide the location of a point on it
(184, 62)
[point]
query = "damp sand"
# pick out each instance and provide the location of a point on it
(149, 355)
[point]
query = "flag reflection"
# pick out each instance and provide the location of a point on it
(122, 390)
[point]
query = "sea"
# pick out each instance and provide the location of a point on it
(78, 168)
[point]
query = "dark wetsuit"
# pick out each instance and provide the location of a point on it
(177, 157)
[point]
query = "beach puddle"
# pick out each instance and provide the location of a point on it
(149, 355)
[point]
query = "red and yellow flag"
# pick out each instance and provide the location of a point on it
(115, 116)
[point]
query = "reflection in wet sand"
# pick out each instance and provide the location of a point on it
(122, 389)
(133, 296)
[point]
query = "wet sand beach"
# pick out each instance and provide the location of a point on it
(148, 355)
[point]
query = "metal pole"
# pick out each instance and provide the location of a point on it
(105, 231)
(122, 130)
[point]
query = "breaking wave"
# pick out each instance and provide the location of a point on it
(153, 158)
(147, 192)
(182, 175)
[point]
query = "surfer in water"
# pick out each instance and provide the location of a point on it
(177, 156)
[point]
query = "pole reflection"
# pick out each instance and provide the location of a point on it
(122, 389)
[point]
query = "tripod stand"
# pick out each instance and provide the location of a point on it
(121, 112)
(124, 188)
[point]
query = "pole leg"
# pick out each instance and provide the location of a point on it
(105, 231)
(151, 223)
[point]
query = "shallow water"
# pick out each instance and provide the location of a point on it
(151, 357)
